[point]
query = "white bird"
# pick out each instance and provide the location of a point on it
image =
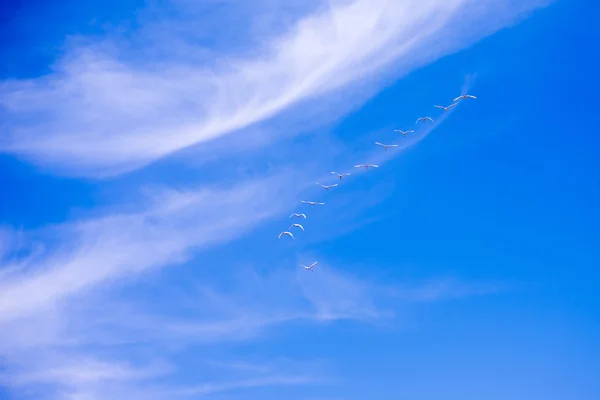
(366, 166)
(446, 108)
(312, 203)
(310, 267)
(285, 233)
(298, 215)
(326, 187)
(424, 119)
(464, 97)
(385, 146)
(297, 226)
(340, 175)
(402, 132)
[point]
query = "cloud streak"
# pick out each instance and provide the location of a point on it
(101, 113)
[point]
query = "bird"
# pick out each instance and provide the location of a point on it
(297, 226)
(402, 132)
(298, 215)
(464, 97)
(366, 166)
(340, 175)
(312, 203)
(446, 108)
(310, 267)
(285, 233)
(326, 187)
(424, 119)
(385, 146)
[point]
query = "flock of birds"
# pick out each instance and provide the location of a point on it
(366, 167)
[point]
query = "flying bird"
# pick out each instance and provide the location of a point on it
(424, 119)
(297, 226)
(326, 187)
(402, 132)
(464, 97)
(312, 203)
(385, 146)
(310, 267)
(298, 215)
(285, 233)
(340, 175)
(446, 108)
(366, 166)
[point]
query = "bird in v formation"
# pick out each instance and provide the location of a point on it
(366, 167)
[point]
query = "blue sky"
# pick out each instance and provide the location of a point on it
(151, 152)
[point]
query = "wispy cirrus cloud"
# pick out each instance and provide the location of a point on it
(68, 324)
(103, 112)
(98, 250)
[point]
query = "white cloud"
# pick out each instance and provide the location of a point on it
(102, 249)
(102, 113)
(203, 390)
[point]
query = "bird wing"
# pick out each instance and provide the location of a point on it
(380, 144)
(348, 174)
(473, 97)
(359, 166)
(440, 107)
(320, 184)
(304, 215)
(392, 145)
(373, 165)
(300, 226)
(409, 131)
(313, 264)
(319, 203)
(292, 215)
(280, 235)
(430, 118)
(418, 119)
(304, 201)
(334, 185)
(451, 105)
(458, 98)
(335, 173)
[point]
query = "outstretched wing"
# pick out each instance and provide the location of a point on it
(417, 121)
(313, 264)
(443, 108)
(380, 144)
(473, 97)
(359, 166)
(429, 118)
(458, 98)
(451, 105)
